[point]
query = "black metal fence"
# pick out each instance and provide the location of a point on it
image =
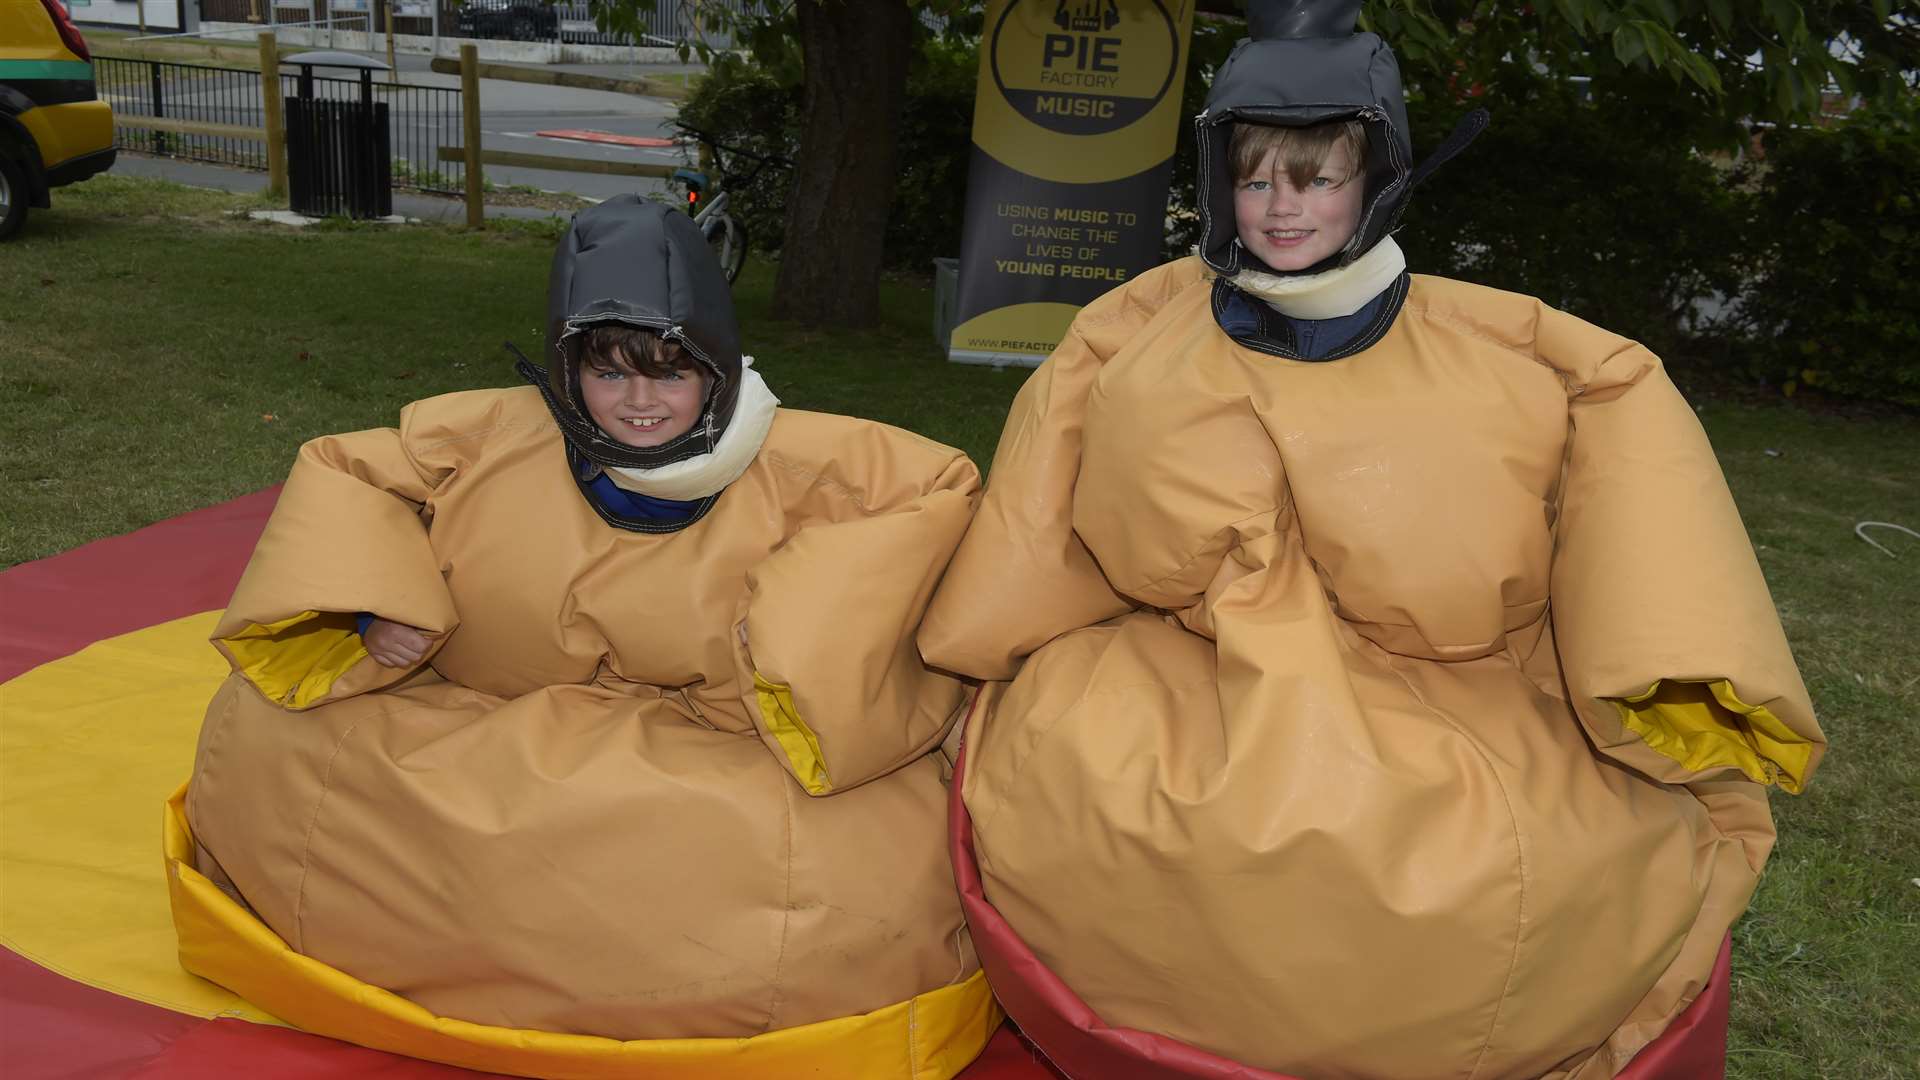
(150, 88)
(421, 119)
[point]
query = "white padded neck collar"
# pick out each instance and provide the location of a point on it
(1332, 293)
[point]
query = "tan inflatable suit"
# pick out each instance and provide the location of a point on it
(1402, 716)
(594, 810)
(584, 822)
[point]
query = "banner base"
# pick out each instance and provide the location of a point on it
(994, 359)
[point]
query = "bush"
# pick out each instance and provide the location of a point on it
(1839, 305)
(750, 106)
(744, 105)
(1213, 39)
(936, 145)
(1603, 210)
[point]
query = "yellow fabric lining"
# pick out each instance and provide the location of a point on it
(295, 661)
(80, 892)
(794, 736)
(1704, 725)
(930, 1037)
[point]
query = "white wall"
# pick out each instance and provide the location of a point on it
(161, 14)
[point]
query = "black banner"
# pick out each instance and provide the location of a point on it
(1074, 125)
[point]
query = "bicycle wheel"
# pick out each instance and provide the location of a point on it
(728, 239)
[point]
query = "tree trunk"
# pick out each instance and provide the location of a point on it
(856, 54)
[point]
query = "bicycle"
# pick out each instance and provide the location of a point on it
(707, 198)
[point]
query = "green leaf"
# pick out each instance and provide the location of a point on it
(1575, 16)
(1705, 74)
(1783, 14)
(1786, 87)
(1657, 42)
(1628, 46)
(1721, 12)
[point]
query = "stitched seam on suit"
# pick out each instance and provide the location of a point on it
(509, 425)
(913, 1039)
(219, 736)
(306, 842)
(1185, 566)
(845, 492)
(1473, 331)
(786, 913)
(1519, 858)
(981, 824)
(413, 455)
(1133, 304)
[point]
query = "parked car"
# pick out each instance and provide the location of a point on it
(518, 20)
(54, 129)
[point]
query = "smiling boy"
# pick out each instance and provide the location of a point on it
(639, 389)
(563, 788)
(1380, 682)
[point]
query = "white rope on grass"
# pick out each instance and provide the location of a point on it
(1860, 530)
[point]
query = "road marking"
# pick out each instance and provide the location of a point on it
(607, 138)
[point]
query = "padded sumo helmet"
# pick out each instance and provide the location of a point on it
(1303, 64)
(633, 262)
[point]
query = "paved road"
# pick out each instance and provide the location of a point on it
(224, 178)
(512, 113)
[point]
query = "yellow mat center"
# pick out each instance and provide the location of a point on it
(90, 746)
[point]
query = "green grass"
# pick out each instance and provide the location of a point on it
(1827, 962)
(158, 355)
(161, 354)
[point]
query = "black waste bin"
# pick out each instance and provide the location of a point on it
(338, 159)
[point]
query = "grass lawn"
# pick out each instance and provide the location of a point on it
(158, 354)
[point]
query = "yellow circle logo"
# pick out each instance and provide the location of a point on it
(1081, 91)
(1084, 67)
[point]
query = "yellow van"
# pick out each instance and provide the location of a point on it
(54, 130)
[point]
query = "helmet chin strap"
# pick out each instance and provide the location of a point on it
(1465, 131)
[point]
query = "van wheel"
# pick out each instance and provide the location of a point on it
(13, 196)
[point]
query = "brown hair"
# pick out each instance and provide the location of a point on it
(1303, 150)
(618, 347)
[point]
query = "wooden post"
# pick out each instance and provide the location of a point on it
(470, 124)
(393, 70)
(274, 117)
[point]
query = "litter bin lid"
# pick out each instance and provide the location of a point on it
(330, 58)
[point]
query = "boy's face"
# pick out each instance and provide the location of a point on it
(640, 410)
(1291, 228)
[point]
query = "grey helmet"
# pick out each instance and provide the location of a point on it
(1303, 64)
(634, 262)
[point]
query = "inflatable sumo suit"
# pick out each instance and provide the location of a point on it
(593, 832)
(1404, 714)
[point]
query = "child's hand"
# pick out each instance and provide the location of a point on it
(393, 644)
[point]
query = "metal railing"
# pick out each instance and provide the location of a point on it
(421, 119)
(191, 92)
(667, 24)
